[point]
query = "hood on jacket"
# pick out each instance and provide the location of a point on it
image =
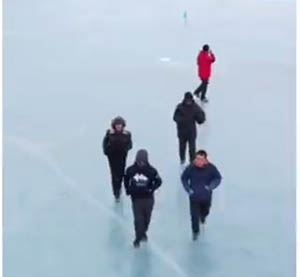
(118, 120)
(141, 158)
(188, 98)
(205, 48)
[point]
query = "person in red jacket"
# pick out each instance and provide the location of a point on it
(204, 61)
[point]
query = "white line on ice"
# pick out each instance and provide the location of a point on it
(165, 59)
(36, 151)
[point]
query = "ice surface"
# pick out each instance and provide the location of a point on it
(70, 66)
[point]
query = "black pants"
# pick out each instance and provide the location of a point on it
(183, 141)
(202, 89)
(199, 210)
(142, 209)
(117, 167)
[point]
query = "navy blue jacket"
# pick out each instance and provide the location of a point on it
(199, 182)
(141, 181)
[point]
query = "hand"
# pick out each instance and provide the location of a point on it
(191, 192)
(208, 188)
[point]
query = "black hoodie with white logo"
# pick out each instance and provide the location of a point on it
(141, 179)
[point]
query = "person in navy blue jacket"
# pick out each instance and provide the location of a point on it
(199, 180)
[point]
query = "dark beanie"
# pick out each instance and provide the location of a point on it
(188, 96)
(141, 157)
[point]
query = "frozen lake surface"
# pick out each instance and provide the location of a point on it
(71, 66)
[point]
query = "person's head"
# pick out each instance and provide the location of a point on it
(118, 124)
(200, 158)
(188, 98)
(205, 47)
(141, 157)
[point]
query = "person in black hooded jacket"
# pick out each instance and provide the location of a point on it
(186, 115)
(116, 144)
(141, 180)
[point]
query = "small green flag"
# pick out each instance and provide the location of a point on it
(185, 15)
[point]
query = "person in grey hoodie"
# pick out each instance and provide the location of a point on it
(199, 180)
(141, 180)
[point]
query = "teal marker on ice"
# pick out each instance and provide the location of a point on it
(185, 16)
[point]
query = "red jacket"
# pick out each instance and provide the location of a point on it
(204, 61)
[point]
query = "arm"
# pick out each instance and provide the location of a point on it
(216, 180)
(213, 58)
(105, 144)
(177, 117)
(129, 142)
(127, 182)
(198, 59)
(200, 115)
(185, 179)
(157, 181)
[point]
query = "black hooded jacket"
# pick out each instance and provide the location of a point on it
(141, 179)
(186, 116)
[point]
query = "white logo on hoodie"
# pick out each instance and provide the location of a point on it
(141, 180)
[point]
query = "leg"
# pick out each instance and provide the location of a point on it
(138, 214)
(182, 148)
(113, 164)
(204, 89)
(117, 165)
(204, 210)
(192, 148)
(195, 215)
(120, 173)
(148, 212)
(198, 90)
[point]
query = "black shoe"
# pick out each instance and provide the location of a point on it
(136, 244)
(204, 100)
(117, 199)
(202, 220)
(195, 236)
(144, 238)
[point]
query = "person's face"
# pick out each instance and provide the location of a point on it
(119, 127)
(188, 102)
(200, 161)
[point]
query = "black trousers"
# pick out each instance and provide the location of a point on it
(117, 168)
(183, 141)
(199, 210)
(142, 209)
(202, 89)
